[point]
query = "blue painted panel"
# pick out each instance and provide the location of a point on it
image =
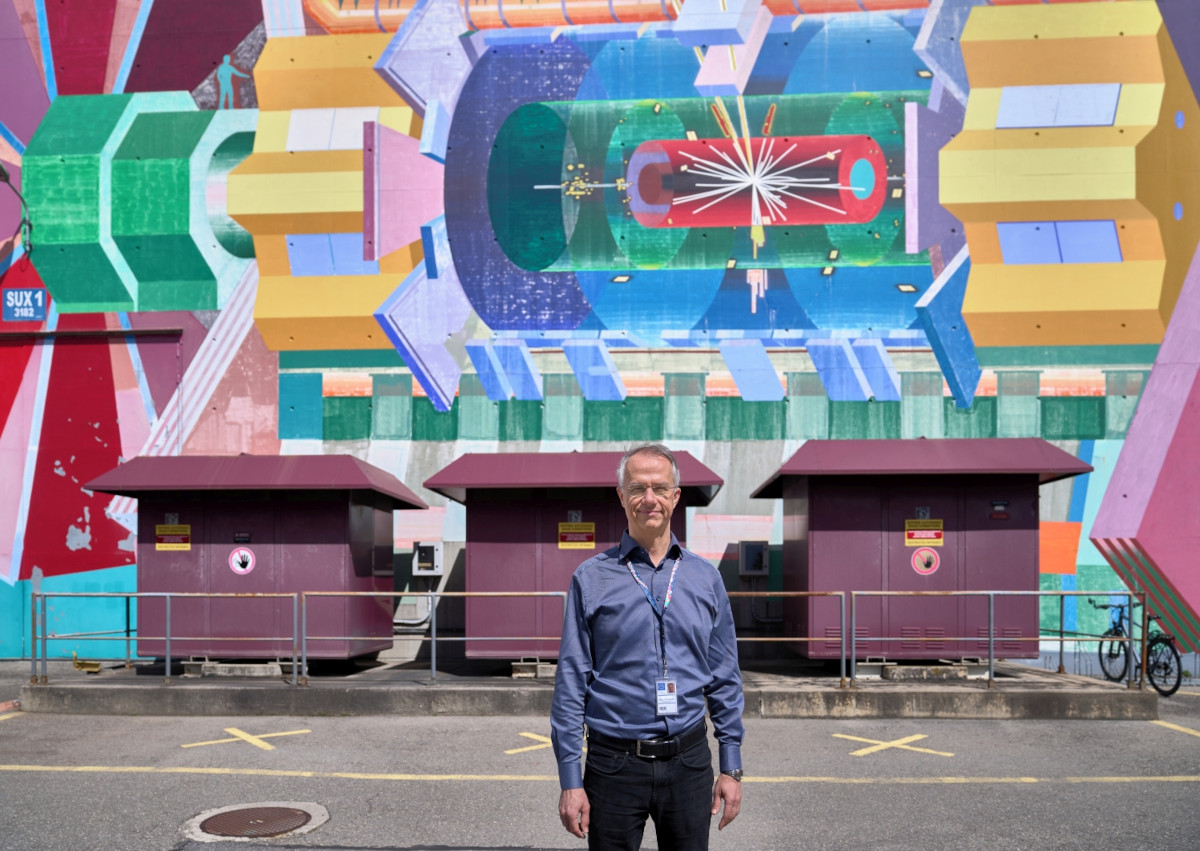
(517, 363)
(752, 370)
(491, 373)
(435, 132)
(879, 370)
(594, 369)
(1088, 105)
(940, 312)
(347, 250)
(436, 246)
(92, 615)
(839, 370)
(1028, 242)
(301, 407)
(309, 254)
(1089, 242)
(1027, 106)
(711, 22)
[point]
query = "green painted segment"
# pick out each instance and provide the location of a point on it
(335, 359)
(562, 414)
(478, 418)
(1073, 417)
(229, 154)
(430, 424)
(75, 125)
(857, 420)
(732, 418)
(163, 135)
(63, 194)
(1118, 415)
(637, 418)
(921, 407)
(84, 279)
(1002, 357)
(170, 271)
(527, 153)
(347, 417)
(807, 407)
(150, 197)
(683, 406)
(1161, 599)
(1018, 416)
(979, 420)
(392, 408)
(1048, 619)
(520, 419)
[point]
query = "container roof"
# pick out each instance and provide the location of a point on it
(148, 474)
(925, 457)
(508, 470)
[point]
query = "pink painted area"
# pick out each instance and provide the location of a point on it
(712, 536)
(242, 414)
(124, 17)
(80, 34)
(14, 450)
(165, 359)
(411, 526)
(402, 190)
(719, 76)
(24, 101)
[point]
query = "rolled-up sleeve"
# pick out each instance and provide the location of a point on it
(570, 690)
(726, 702)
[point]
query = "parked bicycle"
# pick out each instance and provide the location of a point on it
(1163, 666)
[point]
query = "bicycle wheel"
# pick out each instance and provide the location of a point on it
(1163, 666)
(1114, 656)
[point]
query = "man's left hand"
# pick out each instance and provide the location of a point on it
(729, 791)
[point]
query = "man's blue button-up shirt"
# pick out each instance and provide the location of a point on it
(611, 655)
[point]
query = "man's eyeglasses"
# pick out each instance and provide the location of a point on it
(637, 492)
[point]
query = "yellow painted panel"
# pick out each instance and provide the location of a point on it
(1047, 211)
(984, 240)
(336, 191)
(322, 312)
(349, 221)
(300, 162)
(1141, 239)
(1040, 62)
(1061, 21)
(402, 119)
(1055, 174)
(1039, 138)
(270, 250)
(1139, 105)
(1070, 328)
(271, 131)
(403, 260)
(324, 71)
(983, 106)
(1057, 287)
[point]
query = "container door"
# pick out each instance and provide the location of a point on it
(923, 555)
(501, 556)
(846, 555)
(241, 560)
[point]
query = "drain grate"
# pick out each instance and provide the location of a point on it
(256, 822)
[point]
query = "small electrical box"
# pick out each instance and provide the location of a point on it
(427, 559)
(753, 558)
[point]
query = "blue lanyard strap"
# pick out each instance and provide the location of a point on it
(662, 629)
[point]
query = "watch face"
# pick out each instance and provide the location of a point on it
(736, 774)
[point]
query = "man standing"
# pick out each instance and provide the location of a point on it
(648, 642)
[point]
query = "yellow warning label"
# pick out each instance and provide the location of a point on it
(577, 536)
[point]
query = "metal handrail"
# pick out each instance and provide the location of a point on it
(841, 595)
(991, 595)
(43, 596)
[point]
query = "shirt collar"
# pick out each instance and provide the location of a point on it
(628, 545)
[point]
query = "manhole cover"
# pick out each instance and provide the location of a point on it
(256, 821)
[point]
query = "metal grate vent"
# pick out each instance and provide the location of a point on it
(256, 822)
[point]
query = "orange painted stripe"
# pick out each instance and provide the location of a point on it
(1058, 547)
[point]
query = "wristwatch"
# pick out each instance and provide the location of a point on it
(735, 773)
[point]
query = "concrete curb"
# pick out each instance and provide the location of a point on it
(971, 703)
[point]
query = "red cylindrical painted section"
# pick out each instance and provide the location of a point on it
(798, 180)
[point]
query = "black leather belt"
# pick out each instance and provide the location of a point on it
(651, 748)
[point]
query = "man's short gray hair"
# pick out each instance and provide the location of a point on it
(656, 449)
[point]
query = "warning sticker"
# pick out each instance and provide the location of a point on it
(923, 533)
(577, 536)
(926, 561)
(173, 537)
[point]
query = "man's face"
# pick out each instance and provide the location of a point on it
(649, 495)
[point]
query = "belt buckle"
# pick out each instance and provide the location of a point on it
(652, 742)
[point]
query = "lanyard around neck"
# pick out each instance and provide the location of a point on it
(661, 615)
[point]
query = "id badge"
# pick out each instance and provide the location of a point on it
(666, 700)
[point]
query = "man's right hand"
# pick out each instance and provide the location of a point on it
(574, 811)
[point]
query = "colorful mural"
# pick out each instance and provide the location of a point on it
(410, 230)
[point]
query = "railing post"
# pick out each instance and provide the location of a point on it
(167, 642)
(991, 637)
(33, 654)
(128, 630)
(295, 635)
(1145, 632)
(432, 638)
(853, 639)
(842, 632)
(45, 628)
(1062, 601)
(304, 638)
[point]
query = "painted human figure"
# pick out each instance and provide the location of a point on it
(225, 74)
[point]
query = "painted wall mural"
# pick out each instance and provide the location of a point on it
(410, 230)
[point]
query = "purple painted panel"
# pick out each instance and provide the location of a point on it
(165, 360)
(921, 620)
(165, 62)
(25, 100)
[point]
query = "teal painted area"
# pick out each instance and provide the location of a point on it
(341, 359)
(14, 620)
(1027, 356)
(857, 420)
(520, 419)
(730, 418)
(637, 418)
(1104, 461)
(683, 406)
(1073, 417)
(429, 424)
(478, 416)
(979, 420)
(301, 411)
(106, 615)
(392, 408)
(562, 411)
(171, 273)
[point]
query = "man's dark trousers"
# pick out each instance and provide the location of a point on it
(623, 789)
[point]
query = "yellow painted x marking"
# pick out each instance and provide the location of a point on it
(877, 745)
(545, 743)
(1176, 727)
(9, 715)
(241, 736)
